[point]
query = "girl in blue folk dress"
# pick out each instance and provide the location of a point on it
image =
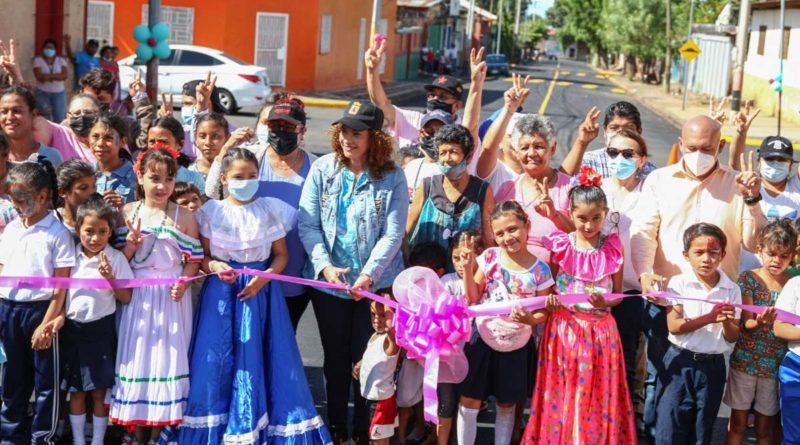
(247, 380)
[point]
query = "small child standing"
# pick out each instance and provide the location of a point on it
(789, 370)
(116, 180)
(454, 281)
(498, 354)
(581, 395)
(376, 373)
(35, 244)
(186, 195)
(89, 340)
(689, 392)
(76, 183)
(752, 379)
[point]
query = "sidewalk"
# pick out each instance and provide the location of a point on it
(669, 107)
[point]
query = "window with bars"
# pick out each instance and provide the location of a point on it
(272, 31)
(325, 35)
(180, 21)
(100, 21)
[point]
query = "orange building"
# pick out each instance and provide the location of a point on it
(305, 45)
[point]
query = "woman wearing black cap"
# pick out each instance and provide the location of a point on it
(283, 168)
(352, 215)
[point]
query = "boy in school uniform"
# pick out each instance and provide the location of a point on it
(689, 392)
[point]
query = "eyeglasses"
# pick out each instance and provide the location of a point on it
(627, 153)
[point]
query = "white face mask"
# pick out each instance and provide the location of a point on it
(699, 163)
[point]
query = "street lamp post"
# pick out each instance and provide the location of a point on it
(153, 17)
(742, 31)
(499, 24)
(780, 62)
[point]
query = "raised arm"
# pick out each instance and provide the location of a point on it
(513, 98)
(372, 59)
(587, 132)
(742, 123)
(472, 111)
(749, 185)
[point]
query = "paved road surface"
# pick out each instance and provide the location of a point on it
(576, 89)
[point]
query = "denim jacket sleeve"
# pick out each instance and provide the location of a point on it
(309, 222)
(388, 245)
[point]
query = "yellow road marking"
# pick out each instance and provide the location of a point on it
(601, 76)
(536, 81)
(565, 73)
(581, 74)
(565, 83)
(533, 80)
(589, 86)
(619, 90)
(549, 94)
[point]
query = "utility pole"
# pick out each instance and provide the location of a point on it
(499, 24)
(686, 62)
(468, 31)
(516, 20)
(780, 61)
(742, 32)
(668, 61)
(151, 82)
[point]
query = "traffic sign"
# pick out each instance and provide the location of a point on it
(690, 50)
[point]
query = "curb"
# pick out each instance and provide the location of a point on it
(322, 102)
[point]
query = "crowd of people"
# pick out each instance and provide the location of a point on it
(201, 351)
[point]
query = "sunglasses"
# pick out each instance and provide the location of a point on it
(627, 153)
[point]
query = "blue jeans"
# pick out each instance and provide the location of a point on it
(655, 331)
(688, 397)
(53, 106)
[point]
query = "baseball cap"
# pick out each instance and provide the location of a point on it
(448, 83)
(288, 112)
(776, 147)
(362, 115)
(189, 89)
(438, 115)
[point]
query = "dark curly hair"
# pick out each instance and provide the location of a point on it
(99, 79)
(455, 134)
(624, 110)
(379, 153)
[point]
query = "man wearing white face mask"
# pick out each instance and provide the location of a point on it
(697, 189)
(780, 190)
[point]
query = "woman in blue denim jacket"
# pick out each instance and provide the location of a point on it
(353, 211)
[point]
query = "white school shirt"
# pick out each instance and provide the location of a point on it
(454, 284)
(85, 305)
(377, 370)
(34, 251)
(709, 339)
(789, 300)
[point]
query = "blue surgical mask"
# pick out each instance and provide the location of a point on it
(262, 133)
(775, 171)
(187, 112)
(243, 189)
(49, 52)
(453, 172)
(623, 168)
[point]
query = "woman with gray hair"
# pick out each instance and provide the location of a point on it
(540, 189)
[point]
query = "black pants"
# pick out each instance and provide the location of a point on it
(27, 370)
(297, 306)
(344, 328)
(629, 314)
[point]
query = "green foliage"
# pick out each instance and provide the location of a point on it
(634, 27)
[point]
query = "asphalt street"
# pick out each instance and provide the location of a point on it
(565, 92)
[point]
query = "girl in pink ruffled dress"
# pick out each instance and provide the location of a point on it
(581, 394)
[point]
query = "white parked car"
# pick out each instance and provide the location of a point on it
(241, 86)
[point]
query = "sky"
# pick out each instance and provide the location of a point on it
(539, 7)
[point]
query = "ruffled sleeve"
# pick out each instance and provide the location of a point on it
(585, 265)
(190, 248)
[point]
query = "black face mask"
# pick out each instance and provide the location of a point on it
(81, 125)
(436, 104)
(427, 147)
(283, 142)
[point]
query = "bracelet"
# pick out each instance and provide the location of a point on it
(752, 200)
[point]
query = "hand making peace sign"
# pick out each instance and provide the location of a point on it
(477, 65)
(166, 109)
(518, 93)
(542, 201)
(136, 84)
(203, 92)
(589, 128)
(105, 267)
(748, 183)
(374, 55)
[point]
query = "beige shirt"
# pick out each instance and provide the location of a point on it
(671, 201)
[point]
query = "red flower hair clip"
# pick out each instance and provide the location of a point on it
(589, 177)
(158, 146)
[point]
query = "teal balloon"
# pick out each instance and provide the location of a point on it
(162, 50)
(141, 33)
(144, 52)
(161, 31)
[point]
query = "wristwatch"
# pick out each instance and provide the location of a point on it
(752, 200)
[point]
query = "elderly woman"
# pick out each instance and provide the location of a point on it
(352, 213)
(540, 189)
